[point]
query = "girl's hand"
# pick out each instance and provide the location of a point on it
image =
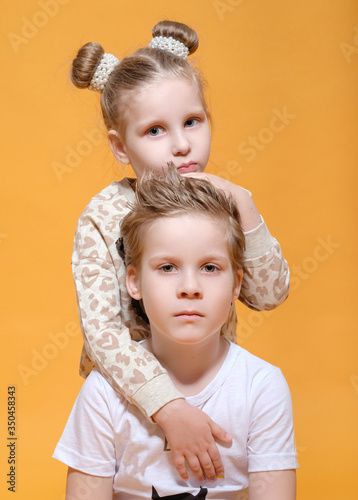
(191, 436)
(250, 217)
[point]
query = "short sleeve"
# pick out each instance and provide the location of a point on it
(87, 443)
(271, 443)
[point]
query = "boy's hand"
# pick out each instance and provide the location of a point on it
(250, 217)
(191, 436)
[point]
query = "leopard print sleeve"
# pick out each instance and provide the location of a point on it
(266, 283)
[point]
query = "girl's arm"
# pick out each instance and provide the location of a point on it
(106, 314)
(190, 434)
(272, 485)
(81, 485)
(267, 283)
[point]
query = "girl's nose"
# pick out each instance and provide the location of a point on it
(181, 145)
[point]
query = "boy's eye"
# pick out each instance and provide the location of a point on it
(210, 268)
(167, 268)
(191, 122)
(154, 131)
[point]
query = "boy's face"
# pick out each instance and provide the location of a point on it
(186, 279)
(165, 123)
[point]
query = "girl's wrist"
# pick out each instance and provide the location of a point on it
(249, 215)
(165, 411)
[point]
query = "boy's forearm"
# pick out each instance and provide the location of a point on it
(272, 485)
(95, 487)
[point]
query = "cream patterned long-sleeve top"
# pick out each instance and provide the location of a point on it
(110, 324)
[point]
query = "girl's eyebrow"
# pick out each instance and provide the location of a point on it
(198, 111)
(149, 123)
(158, 120)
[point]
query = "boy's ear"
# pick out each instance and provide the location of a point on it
(117, 146)
(132, 283)
(237, 284)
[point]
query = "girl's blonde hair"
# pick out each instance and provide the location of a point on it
(169, 194)
(145, 67)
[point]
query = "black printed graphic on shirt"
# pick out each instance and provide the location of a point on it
(181, 496)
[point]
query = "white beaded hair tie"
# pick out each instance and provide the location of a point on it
(103, 70)
(170, 44)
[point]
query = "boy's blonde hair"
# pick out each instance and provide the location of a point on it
(147, 66)
(168, 194)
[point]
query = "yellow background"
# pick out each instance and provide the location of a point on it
(261, 58)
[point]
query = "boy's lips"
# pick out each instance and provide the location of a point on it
(188, 167)
(189, 315)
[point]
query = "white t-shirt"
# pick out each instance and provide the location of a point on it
(249, 398)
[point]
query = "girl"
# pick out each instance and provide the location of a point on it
(155, 112)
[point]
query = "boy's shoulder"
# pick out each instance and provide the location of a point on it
(255, 368)
(97, 391)
(251, 359)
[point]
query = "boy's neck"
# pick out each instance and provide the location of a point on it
(191, 367)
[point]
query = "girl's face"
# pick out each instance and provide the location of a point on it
(166, 122)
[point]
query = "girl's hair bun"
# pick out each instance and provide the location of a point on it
(85, 63)
(178, 31)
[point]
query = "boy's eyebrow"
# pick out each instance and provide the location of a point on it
(162, 257)
(204, 258)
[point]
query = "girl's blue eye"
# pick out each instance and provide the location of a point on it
(154, 131)
(191, 122)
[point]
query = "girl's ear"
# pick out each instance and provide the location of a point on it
(237, 284)
(132, 283)
(117, 146)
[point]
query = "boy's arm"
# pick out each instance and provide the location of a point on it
(267, 283)
(81, 485)
(272, 485)
(271, 448)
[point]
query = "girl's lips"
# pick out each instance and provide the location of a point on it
(186, 168)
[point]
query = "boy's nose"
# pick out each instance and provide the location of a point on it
(189, 287)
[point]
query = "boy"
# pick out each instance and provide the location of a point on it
(183, 250)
